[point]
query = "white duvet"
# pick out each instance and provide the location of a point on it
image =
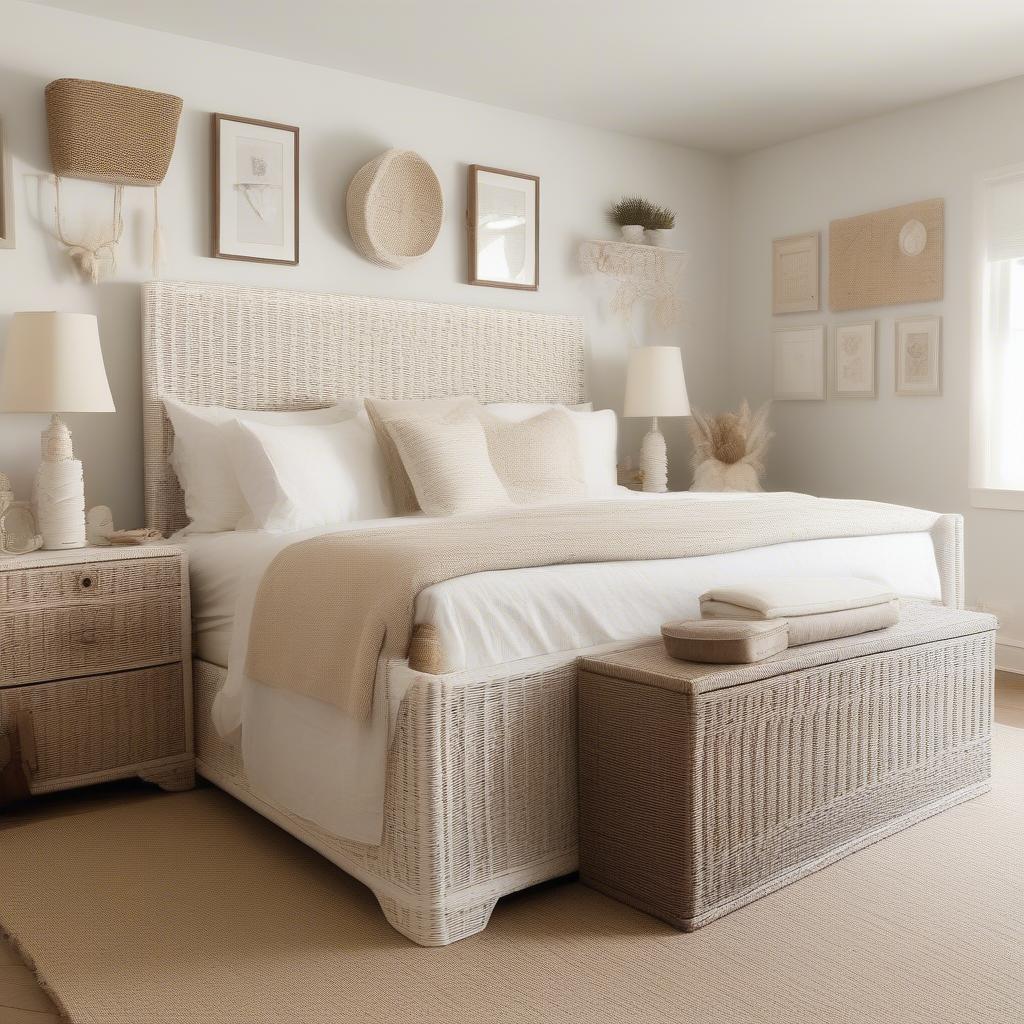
(308, 757)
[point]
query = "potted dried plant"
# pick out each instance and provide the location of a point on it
(636, 216)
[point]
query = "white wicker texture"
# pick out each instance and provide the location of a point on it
(480, 800)
(395, 208)
(693, 804)
(260, 348)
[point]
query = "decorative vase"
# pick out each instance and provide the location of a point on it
(633, 233)
(657, 236)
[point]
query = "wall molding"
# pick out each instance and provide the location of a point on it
(1009, 654)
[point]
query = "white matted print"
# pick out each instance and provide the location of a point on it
(255, 190)
(919, 356)
(6, 196)
(854, 360)
(799, 370)
(796, 274)
(504, 228)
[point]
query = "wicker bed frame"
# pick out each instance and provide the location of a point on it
(481, 783)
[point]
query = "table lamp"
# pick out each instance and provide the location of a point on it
(53, 363)
(655, 387)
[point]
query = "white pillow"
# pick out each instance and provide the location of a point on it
(598, 434)
(297, 476)
(200, 459)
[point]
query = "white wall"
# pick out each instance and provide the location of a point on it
(909, 450)
(345, 120)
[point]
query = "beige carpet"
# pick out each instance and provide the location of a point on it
(191, 908)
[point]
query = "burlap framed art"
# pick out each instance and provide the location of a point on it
(887, 258)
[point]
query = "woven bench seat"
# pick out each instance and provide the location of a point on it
(704, 787)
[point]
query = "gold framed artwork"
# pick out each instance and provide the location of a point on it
(796, 274)
(6, 195)
(799, 363)
(255, 190)
(919, 356)
(887, 258)
(503, 217)
(854, 362)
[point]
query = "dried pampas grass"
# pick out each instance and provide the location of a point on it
(728, 450)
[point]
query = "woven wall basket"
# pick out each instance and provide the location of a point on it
(395, 206)
(111, 133)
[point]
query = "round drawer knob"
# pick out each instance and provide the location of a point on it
(87, 582)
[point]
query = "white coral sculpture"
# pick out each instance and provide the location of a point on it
(728, 450)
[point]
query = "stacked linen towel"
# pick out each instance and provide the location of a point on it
(815, 609)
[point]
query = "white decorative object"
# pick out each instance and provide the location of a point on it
(913, 238)
(655, 386)
(395, 207)
(633, 234)
(53, 362)
(658, 236)
(643, 273)
(99, 525)
(795, 274)
(6, 493)
(728, 450)
(919, 356)
(799, 363)
(854, 361)
(18, 532)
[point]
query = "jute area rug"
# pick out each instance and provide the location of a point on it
(191, 908)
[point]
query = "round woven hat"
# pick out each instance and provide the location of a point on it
(394, 207)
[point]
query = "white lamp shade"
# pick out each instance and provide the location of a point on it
(53, 363)
(655, 385)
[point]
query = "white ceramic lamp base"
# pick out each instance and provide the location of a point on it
(60, 491)
(654, 460)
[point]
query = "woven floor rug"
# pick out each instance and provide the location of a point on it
(190, 908)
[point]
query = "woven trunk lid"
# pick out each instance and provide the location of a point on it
(112, 133)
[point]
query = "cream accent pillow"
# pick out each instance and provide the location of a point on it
(537, 459)
(382, 411)
(446, 462)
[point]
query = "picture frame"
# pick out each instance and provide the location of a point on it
(796, 273)
(799, 363)
(6, 194)
(255, 190)
(919, 356)
(854, 360)
(503, 220)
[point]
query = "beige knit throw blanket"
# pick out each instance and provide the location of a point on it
(328, 607)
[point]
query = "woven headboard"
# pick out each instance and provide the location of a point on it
(264, 348)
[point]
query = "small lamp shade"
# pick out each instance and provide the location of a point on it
(53, 363)
(655, 385)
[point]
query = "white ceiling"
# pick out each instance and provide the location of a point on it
(724, 75)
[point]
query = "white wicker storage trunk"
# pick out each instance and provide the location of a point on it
(705, 787)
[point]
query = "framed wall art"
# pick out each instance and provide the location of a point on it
(854, 361)
(799, 363)
(503, 215)
(887, 258)
(919, 356)
(796, 274)
(6, 195)
(255, 190)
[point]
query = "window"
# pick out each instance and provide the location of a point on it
(998, 435)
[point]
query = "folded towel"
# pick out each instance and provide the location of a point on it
(725, 642)
(783, 598)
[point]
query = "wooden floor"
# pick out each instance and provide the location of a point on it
(22, 1001)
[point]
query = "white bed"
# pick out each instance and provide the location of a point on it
(476, 767)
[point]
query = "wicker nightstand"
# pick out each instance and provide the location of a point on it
(95, 669)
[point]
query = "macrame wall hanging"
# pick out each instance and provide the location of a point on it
(114, 134)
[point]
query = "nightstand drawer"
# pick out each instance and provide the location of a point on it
(100, 580)
(80, 730)
(70, 640)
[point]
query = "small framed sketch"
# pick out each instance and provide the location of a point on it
(795, 274)
(799, 369)
(854, 361)
(6, 196)
(255, 190)
(919, 356)
(503, 216)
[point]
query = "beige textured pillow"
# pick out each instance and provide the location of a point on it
(381, 411)
(446, 461)
(537, 459)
